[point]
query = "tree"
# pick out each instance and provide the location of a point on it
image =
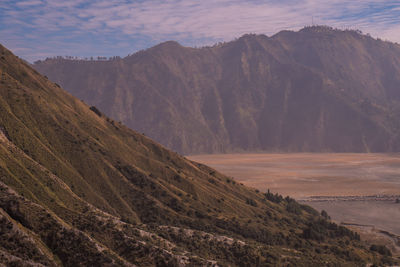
(325, 214)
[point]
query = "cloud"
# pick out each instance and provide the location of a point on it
(29, 3)
(83, 26)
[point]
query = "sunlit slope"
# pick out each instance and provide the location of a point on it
(79, 188)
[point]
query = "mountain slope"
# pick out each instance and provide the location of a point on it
(316, 90)
(77, 188)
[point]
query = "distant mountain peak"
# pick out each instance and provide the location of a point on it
(80, 189)
(169, 45)
(318, 28)
(249, 94)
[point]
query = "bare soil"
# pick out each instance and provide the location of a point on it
(358, 190)
(302, 175)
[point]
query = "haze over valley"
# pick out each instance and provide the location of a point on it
(316, 90)
(236, 136)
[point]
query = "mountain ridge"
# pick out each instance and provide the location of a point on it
(77, 188)
(315, 90)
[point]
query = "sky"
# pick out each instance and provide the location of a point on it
(36, 29)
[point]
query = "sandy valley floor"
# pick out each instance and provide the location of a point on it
(358, 189)
(302, 175)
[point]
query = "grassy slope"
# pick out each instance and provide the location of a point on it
(87, 190)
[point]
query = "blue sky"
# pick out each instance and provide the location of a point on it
(36, 29)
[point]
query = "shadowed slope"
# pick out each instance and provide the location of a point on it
(316, 90)
(79, 188)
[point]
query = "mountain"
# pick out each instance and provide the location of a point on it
(315, 90)
(79, 189)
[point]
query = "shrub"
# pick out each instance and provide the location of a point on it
(276, 198)
(381, 249)
(325, 214)
(95, 110)
(293, 207)
(251, 202)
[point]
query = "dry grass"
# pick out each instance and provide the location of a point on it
(75, 175)
(303, 175)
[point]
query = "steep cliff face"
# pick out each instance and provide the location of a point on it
(318, 89)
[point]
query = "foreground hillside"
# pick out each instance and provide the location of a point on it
(318, 89)
(77, 188)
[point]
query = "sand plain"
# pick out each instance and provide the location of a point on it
(302, 175)
(356, 189)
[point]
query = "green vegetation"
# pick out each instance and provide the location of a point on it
(95, 110)
(78, 188)
(383, 250)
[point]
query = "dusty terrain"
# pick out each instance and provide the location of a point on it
(359, 190)
(302, 175)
